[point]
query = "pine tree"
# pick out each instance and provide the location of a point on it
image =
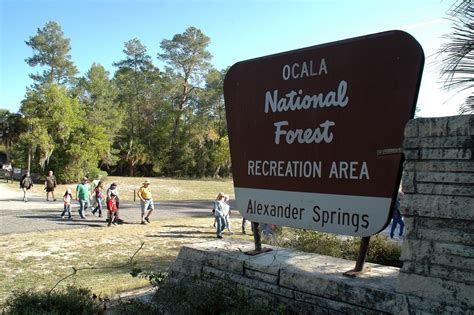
(51, 51)
(188, 57)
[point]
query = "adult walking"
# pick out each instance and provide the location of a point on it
(93, 185)
(397, 218)
(226, 212)
(25, 184)
(50, 185)
(219, 214)
(146, 202)
(82, 196)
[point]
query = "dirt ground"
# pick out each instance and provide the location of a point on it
(38, 247)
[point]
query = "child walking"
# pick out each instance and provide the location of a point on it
(99, 196)
(112, 215)
(67, 204)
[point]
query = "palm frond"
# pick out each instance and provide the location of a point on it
(457, 55)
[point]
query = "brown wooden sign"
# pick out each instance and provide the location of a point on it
(315, 134)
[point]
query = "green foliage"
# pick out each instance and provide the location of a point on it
(221, 155)
(71, 300)
(80, 156)
(138, 82)
(188, 58)
(187, 53)
(457, 54)
(135, 306)
(217, 297)
(155, 278)
(94, 172)
(143, 122)
(14, 125)
(381, 249)
(98, 93)
(51, 50)
(52, 116)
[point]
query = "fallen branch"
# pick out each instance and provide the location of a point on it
(75, 270)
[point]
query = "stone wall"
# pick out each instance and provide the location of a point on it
(437, 276)
(438, 180)
(283, 279)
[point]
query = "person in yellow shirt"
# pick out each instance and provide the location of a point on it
(146, 202)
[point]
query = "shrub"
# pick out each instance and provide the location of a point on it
(70, 300)
(215, 296)
(381, 250)
(384, 252)
(134, 306)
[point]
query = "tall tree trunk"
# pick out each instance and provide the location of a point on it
(175, 128)
(180, 111)
(131, 168)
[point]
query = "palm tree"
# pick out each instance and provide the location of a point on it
(457, 56)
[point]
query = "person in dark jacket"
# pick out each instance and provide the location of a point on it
(25, 184)
(397, 218)
(49, 185)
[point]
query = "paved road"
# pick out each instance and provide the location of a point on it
(17, 216)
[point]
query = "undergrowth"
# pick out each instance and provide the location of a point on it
(381, 250)
(70, 300)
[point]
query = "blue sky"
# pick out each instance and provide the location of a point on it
(239, 30)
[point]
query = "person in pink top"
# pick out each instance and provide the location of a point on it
(99, 196)
(67, 204)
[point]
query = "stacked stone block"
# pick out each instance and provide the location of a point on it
(438, 180)
(288, 280)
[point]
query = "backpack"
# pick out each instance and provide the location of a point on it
(27, 183)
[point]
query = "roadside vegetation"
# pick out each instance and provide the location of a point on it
(381, 251)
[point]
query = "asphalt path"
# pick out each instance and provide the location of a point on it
(17, 216)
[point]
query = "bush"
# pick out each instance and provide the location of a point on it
(217, 296)
(94, 172)
(381, 250)
(134, 306)
(70, 300)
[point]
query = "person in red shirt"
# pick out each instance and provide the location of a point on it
(112, 210)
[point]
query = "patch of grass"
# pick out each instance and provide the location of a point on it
(53, 254)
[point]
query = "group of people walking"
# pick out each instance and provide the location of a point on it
(93, 195)
(95, 192)
(26, 183)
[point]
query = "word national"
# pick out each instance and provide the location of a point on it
(293, 100)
